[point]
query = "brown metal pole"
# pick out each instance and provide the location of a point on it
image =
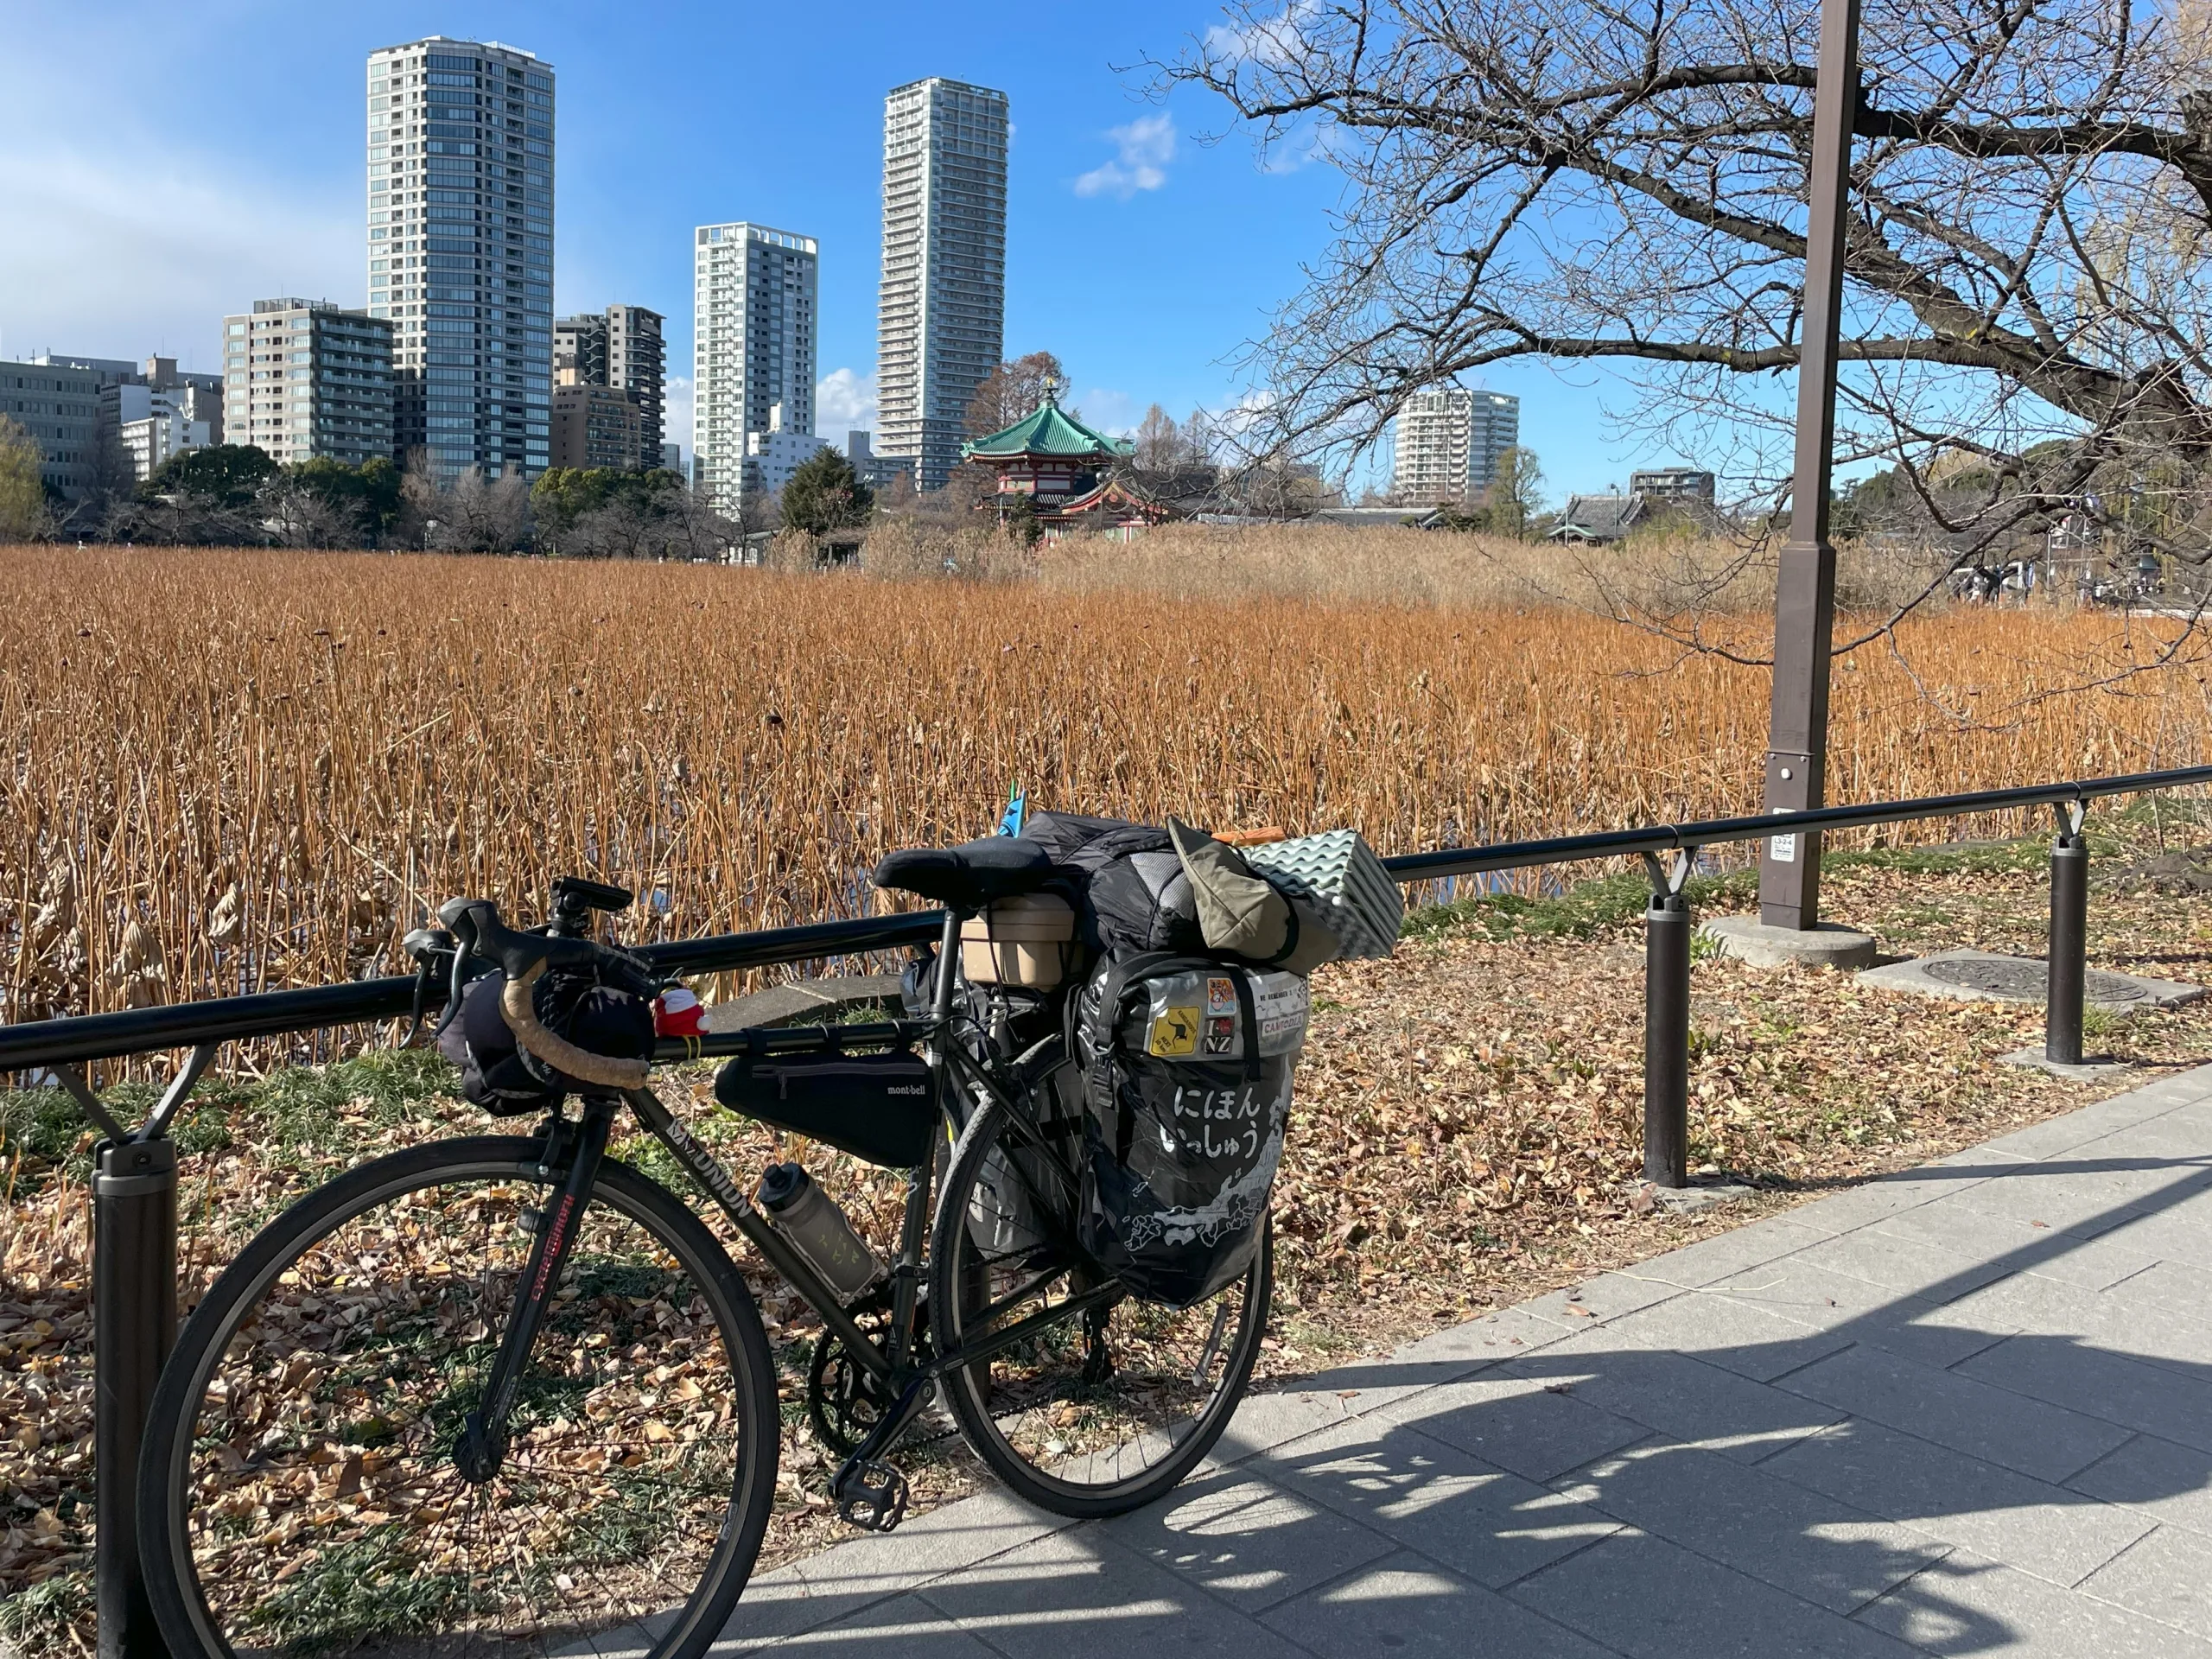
(1804, 598)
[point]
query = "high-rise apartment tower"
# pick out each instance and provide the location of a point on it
(618, 347)
(753, 294)
(1448, 442)
(941, 317)
(305, 379)
(460, 249)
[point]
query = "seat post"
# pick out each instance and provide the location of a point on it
(947, 957)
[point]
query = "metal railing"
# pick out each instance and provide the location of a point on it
(134, 1183)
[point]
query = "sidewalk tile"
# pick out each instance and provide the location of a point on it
(1969, 1604)
(1061, 1594)
(905, 1625)
(2168, 1481)
(1406, 1606)
(1249, 1543)
(2084, 1205)
(2135, 1393)
(1850, 1309)
(1686, 1398)
(1652, 1599)
(1997, 1425)
(1727, 1330)
(1910, 1267)
(2092, 1263)
(1782, 1533)
(2167, 1577)
(1488, 1525)
(1728, 1253)
(1537, 1430)
(2044, 1530)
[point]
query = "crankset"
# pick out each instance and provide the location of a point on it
(845, 1401)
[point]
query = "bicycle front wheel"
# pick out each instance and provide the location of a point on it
(299, 1493)
(1096, 1412)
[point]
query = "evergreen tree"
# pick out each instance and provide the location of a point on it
(826, 494)
(229, 474)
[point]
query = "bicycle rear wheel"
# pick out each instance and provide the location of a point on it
(1097, 1412)
(299, 1494)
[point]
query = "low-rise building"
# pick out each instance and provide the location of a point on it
(153, 439)
(305, 379)
(672, 458)
(773, 456)
(1672, 484)
(598, 427)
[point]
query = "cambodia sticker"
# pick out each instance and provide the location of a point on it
(1221, 996)
(1174, 1032)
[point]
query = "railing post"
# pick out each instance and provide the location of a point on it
(134, 1328)
(2070, 926)
(1668, 924)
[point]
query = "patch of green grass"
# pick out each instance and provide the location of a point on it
(298, 1110)
(1584, 911)
(36, 1618)
(352, 1592)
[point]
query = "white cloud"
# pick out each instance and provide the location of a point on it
(1145, 146)
(845, 402)
(1115, 413)
(677, 414)
(124, 254)
(1267, 40)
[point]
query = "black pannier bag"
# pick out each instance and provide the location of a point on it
(499, 1075)
(878, 1106)
(1187, 1067)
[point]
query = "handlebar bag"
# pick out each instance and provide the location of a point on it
(1187, 1070)
(497, 1075)
(878, 1106)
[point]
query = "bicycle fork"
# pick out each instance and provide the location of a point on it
(482, 1447)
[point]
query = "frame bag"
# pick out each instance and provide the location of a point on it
(1187, 1068)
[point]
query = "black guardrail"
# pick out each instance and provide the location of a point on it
(134, 1266)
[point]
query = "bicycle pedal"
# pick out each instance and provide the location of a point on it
(871, 1496)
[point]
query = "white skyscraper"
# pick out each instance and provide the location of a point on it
(1448, 441)
(753, 346)
(460, 249)
(942, 316)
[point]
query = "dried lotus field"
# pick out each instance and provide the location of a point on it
(234, 770)
(229, 770)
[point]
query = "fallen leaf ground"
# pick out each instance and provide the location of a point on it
(1468, 1134)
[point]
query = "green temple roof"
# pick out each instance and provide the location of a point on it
(1048, 430)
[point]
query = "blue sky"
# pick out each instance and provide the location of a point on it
(161, 165)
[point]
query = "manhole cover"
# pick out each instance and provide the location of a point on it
(2012, 976)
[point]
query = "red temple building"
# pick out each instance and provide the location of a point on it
(1069, 472)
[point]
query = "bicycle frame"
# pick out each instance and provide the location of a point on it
(951, 1067)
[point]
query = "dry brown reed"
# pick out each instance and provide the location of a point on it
(1661, 572)
(231, 770)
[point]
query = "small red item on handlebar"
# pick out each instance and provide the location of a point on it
(678, 1013)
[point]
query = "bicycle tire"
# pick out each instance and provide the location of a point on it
(504, 1167)
(975, 1392)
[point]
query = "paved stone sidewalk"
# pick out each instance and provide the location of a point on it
(1965, 1410)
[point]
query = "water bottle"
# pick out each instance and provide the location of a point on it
(817, 1229)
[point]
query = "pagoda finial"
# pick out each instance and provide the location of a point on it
(1051, 385)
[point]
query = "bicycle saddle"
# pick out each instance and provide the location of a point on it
(971, 876)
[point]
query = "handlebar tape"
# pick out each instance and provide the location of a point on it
(558, 1051)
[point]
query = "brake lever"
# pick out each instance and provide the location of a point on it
(464, 933)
